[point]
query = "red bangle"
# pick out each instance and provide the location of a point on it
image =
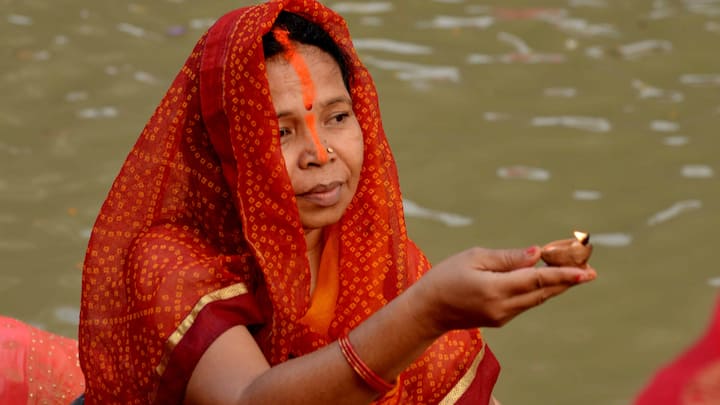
(361, 369)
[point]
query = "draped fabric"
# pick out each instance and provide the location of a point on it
(37, 367)
(693, 377)
(200, 232)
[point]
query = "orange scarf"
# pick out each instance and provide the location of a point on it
(200, 232)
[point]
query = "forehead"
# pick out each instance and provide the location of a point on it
(323, 69)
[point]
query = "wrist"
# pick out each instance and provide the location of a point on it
(421, 307)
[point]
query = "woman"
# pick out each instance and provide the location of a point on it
(253, 248)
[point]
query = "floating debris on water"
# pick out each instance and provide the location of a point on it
(18, 19)
(588, 3)
(664, 126)
(26, 55)
(98, 112)
(416, 72)
(388, 45)
(564, 92)
(136, 31)
(145, 77)
(478, 9)
(85, 233)
(61, 40)
(586, 195)
(710, 8)
(112, 70)
(133, 30)
(75, 96)
(371, 20)
(362, 8)
(712, 26)
(579, 26)
(592, 124)
(571, 44)
(676, 140)
(175, 30)
(69, 315)
(523, 173)
(495, 116)
(527, 13)
(646, 47)
(412, 209)
(529, 58)
(697, 171)
(675, 210)
(516, 42)
(611, 239)
(714, 282)
(661, 13)
(201, 23)
(522, 54)
(595, 52)
(700, 79)
(646, 91)
(449, 22)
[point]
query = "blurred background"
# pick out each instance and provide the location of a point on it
(513, 123)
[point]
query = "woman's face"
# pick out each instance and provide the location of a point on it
(315, 113)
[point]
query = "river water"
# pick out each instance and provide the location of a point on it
(513, 123)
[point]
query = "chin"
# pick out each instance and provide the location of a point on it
(316, 220)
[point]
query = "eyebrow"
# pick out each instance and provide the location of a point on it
(337, 100)
(324, 104)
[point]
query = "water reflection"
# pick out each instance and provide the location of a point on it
(512, 125)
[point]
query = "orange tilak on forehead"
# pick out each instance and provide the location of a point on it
(306, 83)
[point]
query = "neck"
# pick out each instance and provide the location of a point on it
(313, 241)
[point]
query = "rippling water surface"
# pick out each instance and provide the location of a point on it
(513, 123)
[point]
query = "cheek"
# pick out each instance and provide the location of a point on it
(290, 159)
(353, 145)
(355, 159)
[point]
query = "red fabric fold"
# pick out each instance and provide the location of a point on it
(38, 367)
(693, 377)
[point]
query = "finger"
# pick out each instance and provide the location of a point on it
(566, 275)
(523, 302)
(502, 260)
(533, 278)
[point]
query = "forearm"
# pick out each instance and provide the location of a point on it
(387, 342)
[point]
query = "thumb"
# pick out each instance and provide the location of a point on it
(505, 259)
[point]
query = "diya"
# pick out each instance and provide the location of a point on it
(573, 252)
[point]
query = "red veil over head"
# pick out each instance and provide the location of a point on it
(200, 232)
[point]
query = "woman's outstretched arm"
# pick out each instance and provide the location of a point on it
(475, 288)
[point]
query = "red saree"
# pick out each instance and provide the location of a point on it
(200, 232)
(37, 367)
(693, 377)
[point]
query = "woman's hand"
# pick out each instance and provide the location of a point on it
(484, 287)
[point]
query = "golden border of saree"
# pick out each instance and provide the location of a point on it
(464, 383)
(228, 292)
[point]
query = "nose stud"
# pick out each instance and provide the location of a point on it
(330, 150)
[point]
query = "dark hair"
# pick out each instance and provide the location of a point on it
(308, 33)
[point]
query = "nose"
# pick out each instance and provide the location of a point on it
(314, 153)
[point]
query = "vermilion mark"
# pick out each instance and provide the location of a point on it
(307, 85)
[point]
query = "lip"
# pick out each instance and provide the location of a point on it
(324, 195)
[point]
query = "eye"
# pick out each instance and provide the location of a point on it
(339, 118)
(284, 131)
